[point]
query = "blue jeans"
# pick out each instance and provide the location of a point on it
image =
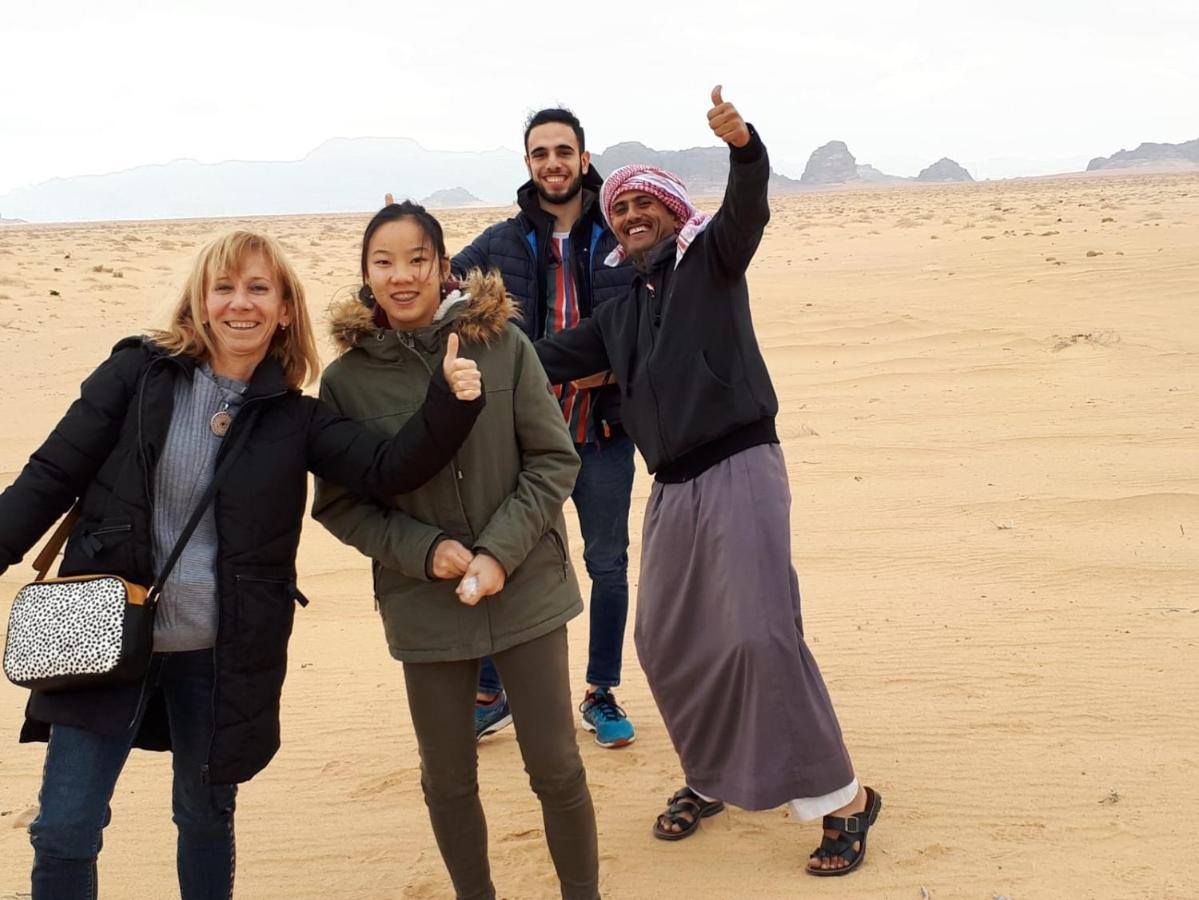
(601, 496)
(81, 774)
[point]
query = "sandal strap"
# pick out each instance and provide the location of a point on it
(856, 824)
(838, 846)
(687, 805)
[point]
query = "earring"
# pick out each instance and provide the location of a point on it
(367, 296)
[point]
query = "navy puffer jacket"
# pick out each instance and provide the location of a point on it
(519, 248)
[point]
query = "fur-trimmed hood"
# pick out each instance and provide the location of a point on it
(479, 312)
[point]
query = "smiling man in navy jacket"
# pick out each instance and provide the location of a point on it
(551, 255)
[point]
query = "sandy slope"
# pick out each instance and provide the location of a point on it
(989, 408)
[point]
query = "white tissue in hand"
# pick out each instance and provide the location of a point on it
(470, 586)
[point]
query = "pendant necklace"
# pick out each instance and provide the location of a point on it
(221, 420)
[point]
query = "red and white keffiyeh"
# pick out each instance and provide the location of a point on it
(662, 185)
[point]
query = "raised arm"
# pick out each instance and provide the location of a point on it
(736, 229)
(473, 256)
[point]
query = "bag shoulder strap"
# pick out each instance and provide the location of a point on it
(45, 559)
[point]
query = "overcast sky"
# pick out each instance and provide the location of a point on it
(89, 86)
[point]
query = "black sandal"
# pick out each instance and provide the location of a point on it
(853, 828)
(685, 803)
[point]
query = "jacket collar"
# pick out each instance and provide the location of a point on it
(266, 381)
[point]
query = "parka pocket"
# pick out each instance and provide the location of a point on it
(265, 608)
(559, 544)
(103, 545)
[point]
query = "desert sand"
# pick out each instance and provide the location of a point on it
(990, 411)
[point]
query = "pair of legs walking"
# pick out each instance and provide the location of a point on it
(601, 496)
(441, 698)
(81, 773)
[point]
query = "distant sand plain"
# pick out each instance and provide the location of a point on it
(990, 401)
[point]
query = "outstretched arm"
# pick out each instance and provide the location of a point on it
(574, 353)
(341, 450)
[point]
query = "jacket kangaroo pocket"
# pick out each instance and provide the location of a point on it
(266, 608)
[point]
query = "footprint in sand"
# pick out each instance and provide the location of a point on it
(408, 779)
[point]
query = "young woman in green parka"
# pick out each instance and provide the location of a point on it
(473, 563)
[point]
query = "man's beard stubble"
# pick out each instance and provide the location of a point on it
(565, 196)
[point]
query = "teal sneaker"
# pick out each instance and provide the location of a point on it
(493, 716)
(606, 720)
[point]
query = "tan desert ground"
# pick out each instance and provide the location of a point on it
(990, 412)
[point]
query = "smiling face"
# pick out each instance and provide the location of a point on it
(243, 309)
(404, 274)
(554, 162)
(640, 222)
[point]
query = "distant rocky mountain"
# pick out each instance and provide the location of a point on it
(340, 175)
(1184, 155)
(944, 169)
(352, 174)
(4, 221)
(831, 163)
(705, 170)
(871, 175)
(451, 198)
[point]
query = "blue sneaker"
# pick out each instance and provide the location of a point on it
(606, 720)
(493, 716)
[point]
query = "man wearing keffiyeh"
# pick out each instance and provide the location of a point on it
(719, 631)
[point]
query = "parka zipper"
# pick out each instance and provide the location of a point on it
(148, 485)
(653, 345)
(239, 418)
(407, 341)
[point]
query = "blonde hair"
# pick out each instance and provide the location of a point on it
(294, 347)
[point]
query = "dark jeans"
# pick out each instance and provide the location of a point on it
(441, 698)
(81, 774)
(601, 496)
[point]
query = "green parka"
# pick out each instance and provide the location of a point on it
(502, 493)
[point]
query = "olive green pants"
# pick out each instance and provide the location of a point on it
(441, 697)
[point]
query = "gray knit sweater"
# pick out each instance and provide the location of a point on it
(187, 611)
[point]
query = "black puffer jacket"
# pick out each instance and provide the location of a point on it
(104, 451)
(520, 248)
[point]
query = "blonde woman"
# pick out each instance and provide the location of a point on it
(137, 450)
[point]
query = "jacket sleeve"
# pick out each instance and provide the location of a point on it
(474, 255)
(60, 470)
(341, 450)
(574, 353)
(394, 539)
(736, 230)
(549, 466)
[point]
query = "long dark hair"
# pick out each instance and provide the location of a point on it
(425, 221)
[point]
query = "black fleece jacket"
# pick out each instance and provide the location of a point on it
(694, 387)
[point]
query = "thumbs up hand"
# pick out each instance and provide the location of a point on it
(461, 374)
(726, 123)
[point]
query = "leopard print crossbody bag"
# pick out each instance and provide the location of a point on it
(91, 631)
